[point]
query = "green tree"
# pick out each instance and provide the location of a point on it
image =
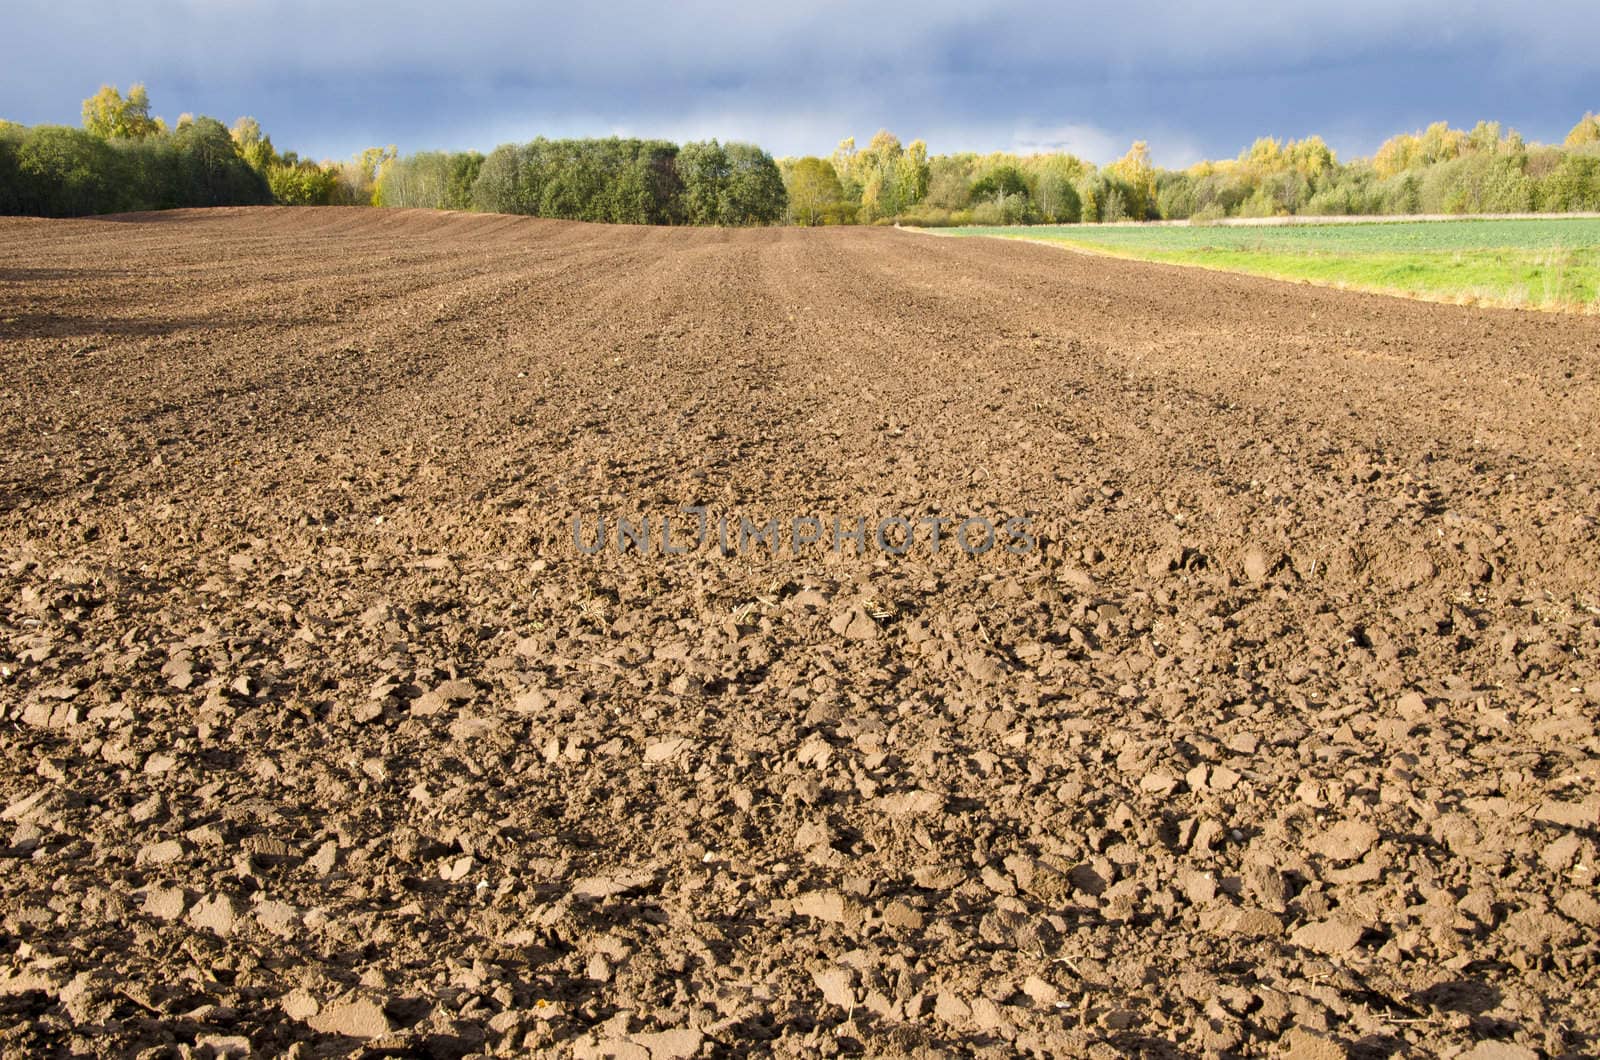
(754, 194)
(65, 173)
(813, 189)
(498, 188)
(303, 183)
(1105, 197)
(11, 137)
(1476, 183)
(844, 164)
(426, 180)
(1115, 205)
(1573, 186)
(213, 173)
(704, 169)
(1175, 196)
(729, 184)
(254, 147)
(655, 166)
(1052, 187)
(950, 181)
(1000, 182)
(885, 177)
(574, 185)
(911, 176)
(461, 172)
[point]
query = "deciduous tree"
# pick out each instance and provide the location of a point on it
(1138, 177)
(1587, 131)
(254, 147)
(813, 188)
(109, 116)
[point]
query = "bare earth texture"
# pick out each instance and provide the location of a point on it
(320, 735)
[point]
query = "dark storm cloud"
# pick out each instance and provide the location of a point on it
(1194, 79)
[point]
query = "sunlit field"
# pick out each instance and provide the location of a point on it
(1549, 263)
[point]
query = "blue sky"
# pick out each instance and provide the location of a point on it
(1196, 80)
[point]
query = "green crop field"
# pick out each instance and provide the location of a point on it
(1549, 263)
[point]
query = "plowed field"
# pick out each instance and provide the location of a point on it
(1274, 727)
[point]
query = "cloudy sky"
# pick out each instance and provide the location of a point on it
(1195, 79)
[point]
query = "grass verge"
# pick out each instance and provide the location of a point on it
(1542, 264)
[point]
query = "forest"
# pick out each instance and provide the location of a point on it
(124, 159)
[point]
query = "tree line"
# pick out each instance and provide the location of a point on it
(124, 159)
(623, 181)
(1439, 170)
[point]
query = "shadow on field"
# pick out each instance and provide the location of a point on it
(16, 274)
(168, 217)
(59, 326)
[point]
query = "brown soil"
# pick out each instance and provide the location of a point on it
(320, 734)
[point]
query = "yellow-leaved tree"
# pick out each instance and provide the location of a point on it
(1587, 131)
(1139, 173)
(253, 146)
(813, 189)
(109, 116)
